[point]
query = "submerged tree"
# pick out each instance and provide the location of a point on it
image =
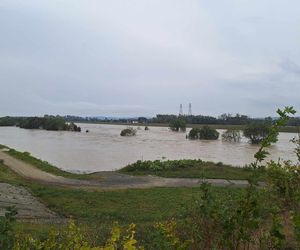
(204, 133)
(128, 132)
(194, 134)
(231, 135)
(178, 124)
(257, 132)
(208, 133)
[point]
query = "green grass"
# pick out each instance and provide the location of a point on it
(190, 169)
(97, 210)
(125, 206)
(8, 176)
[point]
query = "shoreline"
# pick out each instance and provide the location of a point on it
(286, 129)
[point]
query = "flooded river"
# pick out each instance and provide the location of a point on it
(104, 149)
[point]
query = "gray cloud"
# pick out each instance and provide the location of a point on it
(145, 57)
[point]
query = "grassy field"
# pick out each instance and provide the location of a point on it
(190, 169)
(287, 129)
(96, 211)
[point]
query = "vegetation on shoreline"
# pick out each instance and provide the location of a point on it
(47, 122)
(190, 169)
(168, 169)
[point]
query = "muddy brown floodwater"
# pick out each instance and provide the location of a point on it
(104, 149)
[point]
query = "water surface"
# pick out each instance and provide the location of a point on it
(104, 149)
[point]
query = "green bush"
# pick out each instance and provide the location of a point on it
(178, 125)
(204, 133)
(208, 133)
(257, 132)
(7, 235)
(194, 134)
(128, 132)
(231, 135)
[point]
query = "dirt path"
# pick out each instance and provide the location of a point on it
(110, 180)
(28, 207)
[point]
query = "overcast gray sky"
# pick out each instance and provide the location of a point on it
(138, 57)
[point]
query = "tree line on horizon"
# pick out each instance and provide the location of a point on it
(224, 119)
(48, 122)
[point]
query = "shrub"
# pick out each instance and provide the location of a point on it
(128, 132)
(7, 236)
(73, 238)
(231, 135)
(205, 133)
(257, 132)
(208, 133)
(194, 134)
(177, 125)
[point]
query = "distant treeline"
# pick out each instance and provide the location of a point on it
(47, 122)
(224, 119)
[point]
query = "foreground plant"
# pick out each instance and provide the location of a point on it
(73, 239)
(6, 231)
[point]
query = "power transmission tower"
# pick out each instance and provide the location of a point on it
(180, 110)
(190, 109)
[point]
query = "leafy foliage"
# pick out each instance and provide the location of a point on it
(204, 133)
(178, 124)
(73, 239)
(231, 135)
(256, 132)
(208, 133)
(272, 134)
(194, 134)
(7, 235)
(47, 122)
(128, 132)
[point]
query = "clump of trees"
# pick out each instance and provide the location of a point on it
(128, 132)
(178, 125)
(9, 121)
(257, 132)
(232, 135)
(48, 122)
(194, 134)
(204, 133)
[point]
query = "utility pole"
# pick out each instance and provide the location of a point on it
(190, 109)
(180, 110)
